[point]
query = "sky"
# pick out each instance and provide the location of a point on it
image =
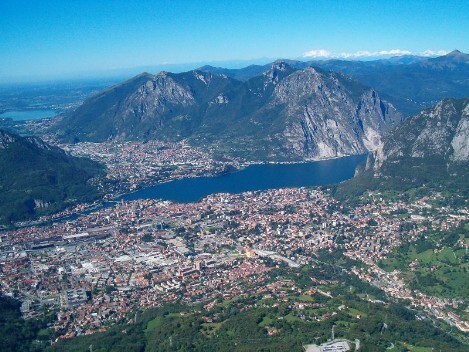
(50, 39)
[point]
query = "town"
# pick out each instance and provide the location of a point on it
(102, 266)
(132, 165)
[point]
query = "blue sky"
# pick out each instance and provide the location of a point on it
(51, 39)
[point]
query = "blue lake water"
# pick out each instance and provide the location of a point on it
(23, 115)
(253, 178)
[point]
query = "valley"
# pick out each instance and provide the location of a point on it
(277, 254)
(142, 253)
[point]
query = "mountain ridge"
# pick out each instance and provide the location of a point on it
(438, 132)
(410, 83)
(285, 113)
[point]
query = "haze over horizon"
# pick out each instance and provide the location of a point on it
(52, 40)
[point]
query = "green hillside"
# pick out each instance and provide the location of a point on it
(38, 179)
(18, 334)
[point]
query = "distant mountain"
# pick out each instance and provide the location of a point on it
(248, 72)
(241, 74)
(414, 86)
(430, 148)
(38, 178)
(409, 82)
(282, 114)
(401, 60)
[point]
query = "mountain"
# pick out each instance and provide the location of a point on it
(435, 136)
(409, 82)
(145, 106)
(401, 60)
(284, 113)
(410, 87)
(251, 71)
(248, 72)
(430, 148)
(439, 132)
(241, 74)
(38, 178)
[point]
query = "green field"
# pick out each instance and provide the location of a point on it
(437, 265)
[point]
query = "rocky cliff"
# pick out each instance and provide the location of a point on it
(329, 115)
(439, 133)
(426, 153)
(410, 83)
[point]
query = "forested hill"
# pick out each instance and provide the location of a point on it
(37, 178)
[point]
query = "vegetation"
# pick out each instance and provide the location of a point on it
(282, 321)
(17, 334)
(436, 264)
(147, 238)
(409, 178)
(38, 179)
(244, 325)
(418, 157)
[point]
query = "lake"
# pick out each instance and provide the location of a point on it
(253, 178)
(24, 115)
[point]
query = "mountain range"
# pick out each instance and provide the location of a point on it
(38, 178)
(410, 83)
(288, 110)
(284, 113)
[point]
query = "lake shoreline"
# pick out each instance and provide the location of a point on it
(301, 166)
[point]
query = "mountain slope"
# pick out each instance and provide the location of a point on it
(430, 148)
(284, 113)
(241, 74)
(38, 178)
(144, 106)
(441, 132)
